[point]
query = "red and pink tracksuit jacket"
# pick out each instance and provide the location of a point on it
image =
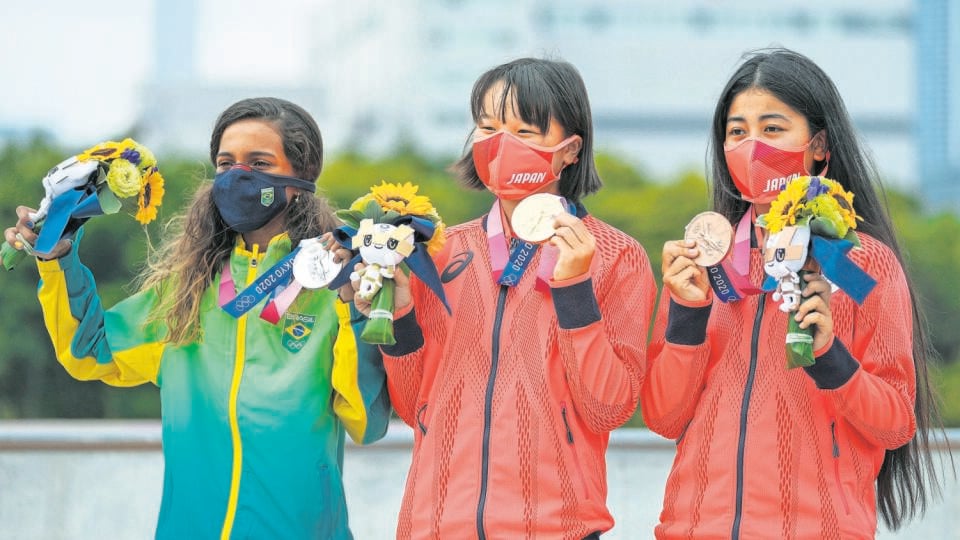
(766, 452)
(513, 396)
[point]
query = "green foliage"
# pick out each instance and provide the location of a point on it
(349, 176)
(931, 256)
(653, 213)
(32, 384)
(947, 382)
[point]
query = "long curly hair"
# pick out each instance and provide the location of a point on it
(200, 242)
(902, 490)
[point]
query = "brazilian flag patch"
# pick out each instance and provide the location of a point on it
(296, 330)
(266, 196)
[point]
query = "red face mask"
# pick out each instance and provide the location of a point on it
(760, 170)
(512, 168)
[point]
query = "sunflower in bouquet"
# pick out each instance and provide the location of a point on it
(393, 229)
(89, 184)
(813, 217)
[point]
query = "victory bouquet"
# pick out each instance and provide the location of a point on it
(91, 184)
(393, 229)
(812, 217)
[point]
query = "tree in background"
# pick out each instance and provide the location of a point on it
(32, 383)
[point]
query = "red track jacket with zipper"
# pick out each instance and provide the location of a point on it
(767, 452)
(512, 398)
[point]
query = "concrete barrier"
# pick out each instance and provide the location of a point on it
(94, 479)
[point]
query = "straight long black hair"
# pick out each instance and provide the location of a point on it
(794, 79)
(539, 91)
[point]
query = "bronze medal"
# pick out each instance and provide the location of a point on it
(532, 219)
(713, 234)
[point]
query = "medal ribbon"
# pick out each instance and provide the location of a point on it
(507, 270)
(731, 282)
(520, 256)
(238, 304)
(276, 307)
(730, 279)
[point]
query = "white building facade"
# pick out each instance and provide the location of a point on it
(380, 74)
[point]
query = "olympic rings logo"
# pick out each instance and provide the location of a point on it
(246, 302)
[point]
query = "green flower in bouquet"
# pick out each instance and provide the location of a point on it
(89, 184)
(393, 228)
(808, 210)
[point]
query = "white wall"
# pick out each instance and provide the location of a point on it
(81, 480)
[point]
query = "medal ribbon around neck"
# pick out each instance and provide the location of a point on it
(280, 274)
(508, 269)
(730, 279)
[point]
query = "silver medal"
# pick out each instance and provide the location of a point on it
(313, 267)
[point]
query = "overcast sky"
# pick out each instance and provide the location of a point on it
(73, 67)
(76, 69)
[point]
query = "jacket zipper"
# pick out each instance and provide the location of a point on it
(573, 450)
(238, 365)
(836, 464)
(488, 410)
(420, 424)
(744, 409)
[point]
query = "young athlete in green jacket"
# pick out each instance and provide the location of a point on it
(254, 412)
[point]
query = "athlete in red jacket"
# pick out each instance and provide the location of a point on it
(763, 451)
(513, 396)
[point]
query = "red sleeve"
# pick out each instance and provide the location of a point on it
(675, 372)
(403, 363)
(603, 330)
(878, 400)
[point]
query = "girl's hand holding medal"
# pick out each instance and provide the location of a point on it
(544, 218)
(713, 235)
(707, 240)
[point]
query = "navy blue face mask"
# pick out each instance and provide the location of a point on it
(248, 199)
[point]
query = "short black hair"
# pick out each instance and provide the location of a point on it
(543, 90)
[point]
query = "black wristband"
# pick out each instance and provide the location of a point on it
(687, 325)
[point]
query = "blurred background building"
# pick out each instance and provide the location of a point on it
(937, 118)
(378, 75)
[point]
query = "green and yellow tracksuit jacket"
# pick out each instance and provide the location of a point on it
(253, 414)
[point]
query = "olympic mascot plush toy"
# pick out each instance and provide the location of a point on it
(784, 257)
(812, 217)
(392, 229)
(382, 247)
(91, 184)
